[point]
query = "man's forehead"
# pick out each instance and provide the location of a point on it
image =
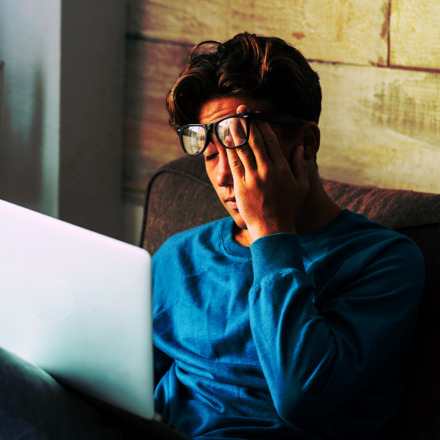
(218, 108)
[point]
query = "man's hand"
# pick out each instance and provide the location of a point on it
(269, 191)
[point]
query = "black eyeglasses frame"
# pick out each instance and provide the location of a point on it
(247, 117)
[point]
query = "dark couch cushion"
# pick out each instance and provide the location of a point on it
(179, 196)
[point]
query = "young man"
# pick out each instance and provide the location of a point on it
(292, 317)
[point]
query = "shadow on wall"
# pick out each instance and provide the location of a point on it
(21, 148)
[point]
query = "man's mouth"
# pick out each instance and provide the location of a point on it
(231, 203)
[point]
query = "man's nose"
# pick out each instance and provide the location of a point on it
(224, 174)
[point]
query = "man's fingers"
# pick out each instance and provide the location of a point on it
(237, 131)
(235, 163)
(266, 145)
(246, 155)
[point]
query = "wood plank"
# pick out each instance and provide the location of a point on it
(354, 31)
(415, 33)
(151, 144)
(151, 70)
(380, 127)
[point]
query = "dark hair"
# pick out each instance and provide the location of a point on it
(253, 66)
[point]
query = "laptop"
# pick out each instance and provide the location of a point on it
(78, 305)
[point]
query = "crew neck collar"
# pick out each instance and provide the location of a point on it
(230, 245)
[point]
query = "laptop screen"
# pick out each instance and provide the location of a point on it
(78, 305)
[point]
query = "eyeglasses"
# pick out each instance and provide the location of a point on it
(231, 131)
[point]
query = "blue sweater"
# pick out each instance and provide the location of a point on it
(300, 337)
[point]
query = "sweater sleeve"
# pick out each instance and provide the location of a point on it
(317, 353)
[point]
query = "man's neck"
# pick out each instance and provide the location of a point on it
(319, 210)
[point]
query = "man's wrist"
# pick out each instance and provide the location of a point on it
(276, 252)
(257, 232)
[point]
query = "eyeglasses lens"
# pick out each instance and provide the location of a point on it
(193, 138)
(232, 132)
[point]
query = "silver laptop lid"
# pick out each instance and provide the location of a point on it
(77, 304)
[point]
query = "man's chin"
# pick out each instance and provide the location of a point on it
(238, 219)
(240, 232)
(239, 222)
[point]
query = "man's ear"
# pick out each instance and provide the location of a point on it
(311, 139)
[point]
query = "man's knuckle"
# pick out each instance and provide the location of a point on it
(235, 163)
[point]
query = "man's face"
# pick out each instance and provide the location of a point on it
(216, 159)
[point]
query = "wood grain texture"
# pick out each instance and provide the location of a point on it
(380, 127)
(415, 33)
(151, 70)
(346, 31)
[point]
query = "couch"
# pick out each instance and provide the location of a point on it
(179, 196)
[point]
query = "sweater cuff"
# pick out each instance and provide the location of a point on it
(274, 253)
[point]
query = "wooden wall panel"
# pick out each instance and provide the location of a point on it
(328, 30)
(152, 68)
(380, 127)
(415, 33)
